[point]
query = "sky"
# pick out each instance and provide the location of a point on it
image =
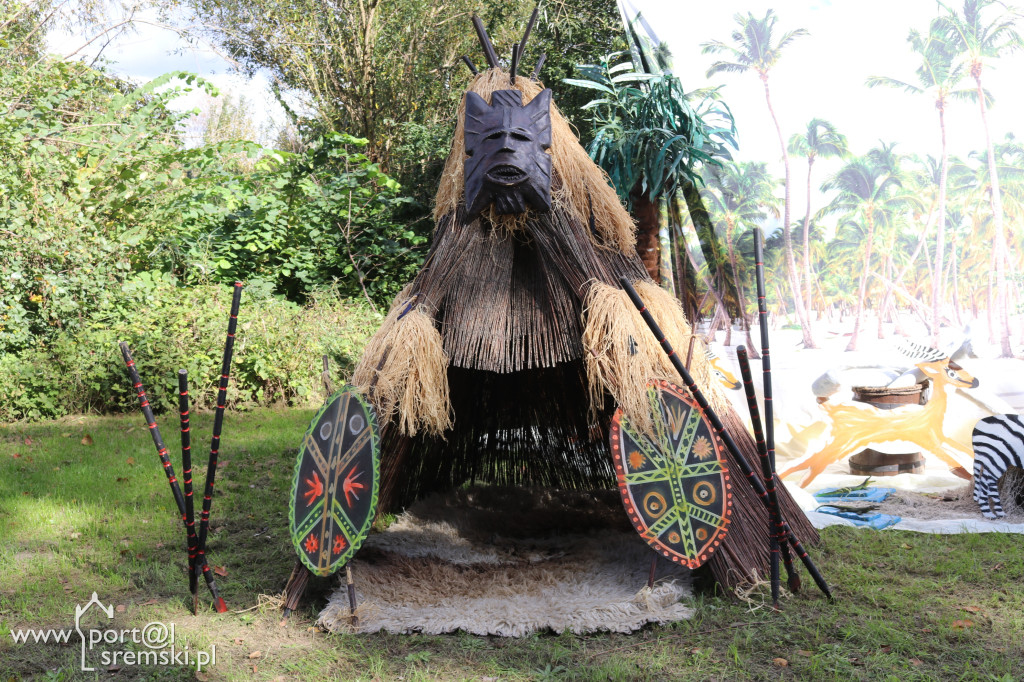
(821, 75)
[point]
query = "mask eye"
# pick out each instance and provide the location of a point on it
(495, 135)
(521, 137)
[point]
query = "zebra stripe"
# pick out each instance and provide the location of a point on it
(998, 445)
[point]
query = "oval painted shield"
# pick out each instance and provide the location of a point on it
(337, 476)
(675, 485)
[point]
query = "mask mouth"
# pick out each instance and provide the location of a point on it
(506, 175)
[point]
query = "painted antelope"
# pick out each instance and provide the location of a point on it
(998, 445)
(855, 426)
(721, 372)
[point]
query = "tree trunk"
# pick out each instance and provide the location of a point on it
(794, 279)
(648, 221)
(744, 321)
(863, 288)
(938, 290)
(709, 244)
(999, 243)
(808, 304)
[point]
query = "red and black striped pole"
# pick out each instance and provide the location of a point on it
(755, 482)
(768, 460)
(154, 430)
(774, 513)
(186, 473)
(218, 423)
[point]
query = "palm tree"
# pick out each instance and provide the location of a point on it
(978, 40)
(753, 50)
(738, 194)
(650, 140)
(938, 75)
(866, 198)
(821, 140)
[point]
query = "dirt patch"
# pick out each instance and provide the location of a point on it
(954, 504)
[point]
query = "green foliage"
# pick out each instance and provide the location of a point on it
(297, 221)
(277, 350)
(647, 133)
(114, 229)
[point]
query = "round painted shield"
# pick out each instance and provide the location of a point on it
(675, 486)
(337, 476)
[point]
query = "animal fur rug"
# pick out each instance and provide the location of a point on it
(508, 562)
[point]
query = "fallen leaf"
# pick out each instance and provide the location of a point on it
(961, 624)
(238, 641)
(26, 493)
(125, 552)
(202, 677)
(122, 479)
(113, 668)
(998, 567)
(926, 630)
(916, 661)
(120, 608)
(16, 455)
(906, 546)
(66, 435)
(159, 545)
(255, 668)
(56, 468)
(805, 653)
(221, 571)
(87, 439)
(256, 654)
(150, 602)
(886, 649)
(972, 609)
(130, 461)
(781, 662)
(28, 441)
(75, 535)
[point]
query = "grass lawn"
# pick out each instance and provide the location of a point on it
(85, 508)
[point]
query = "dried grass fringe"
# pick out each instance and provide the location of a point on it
(579, 185)
(412, 380)
(624, 369)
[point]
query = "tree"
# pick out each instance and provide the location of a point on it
(938, 75)
(977, 41)
(753, 50)
(866, 199)
(740, 196)
(650, 140)
(820, 140)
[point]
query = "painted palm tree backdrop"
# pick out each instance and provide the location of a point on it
(906, 236)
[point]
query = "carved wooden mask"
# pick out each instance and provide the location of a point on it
(505, 143)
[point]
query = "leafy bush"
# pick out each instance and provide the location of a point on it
(277, 350)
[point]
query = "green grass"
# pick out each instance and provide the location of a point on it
(80, 518)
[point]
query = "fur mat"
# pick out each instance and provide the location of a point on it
(508, 562)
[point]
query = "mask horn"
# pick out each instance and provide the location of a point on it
(516, 51)
(485, 42)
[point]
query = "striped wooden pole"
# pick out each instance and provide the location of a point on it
(165, 460)
(186, 473)
(775, 515)
(218, 424)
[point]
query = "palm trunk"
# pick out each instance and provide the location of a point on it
(999, 244)
(794, 280)
(938, 273)
(751, 348)
(807, 242)
(648, 220)
(863, 288)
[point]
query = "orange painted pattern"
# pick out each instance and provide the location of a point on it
(858, 425)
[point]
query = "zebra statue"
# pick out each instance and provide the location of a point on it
(998, 445)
